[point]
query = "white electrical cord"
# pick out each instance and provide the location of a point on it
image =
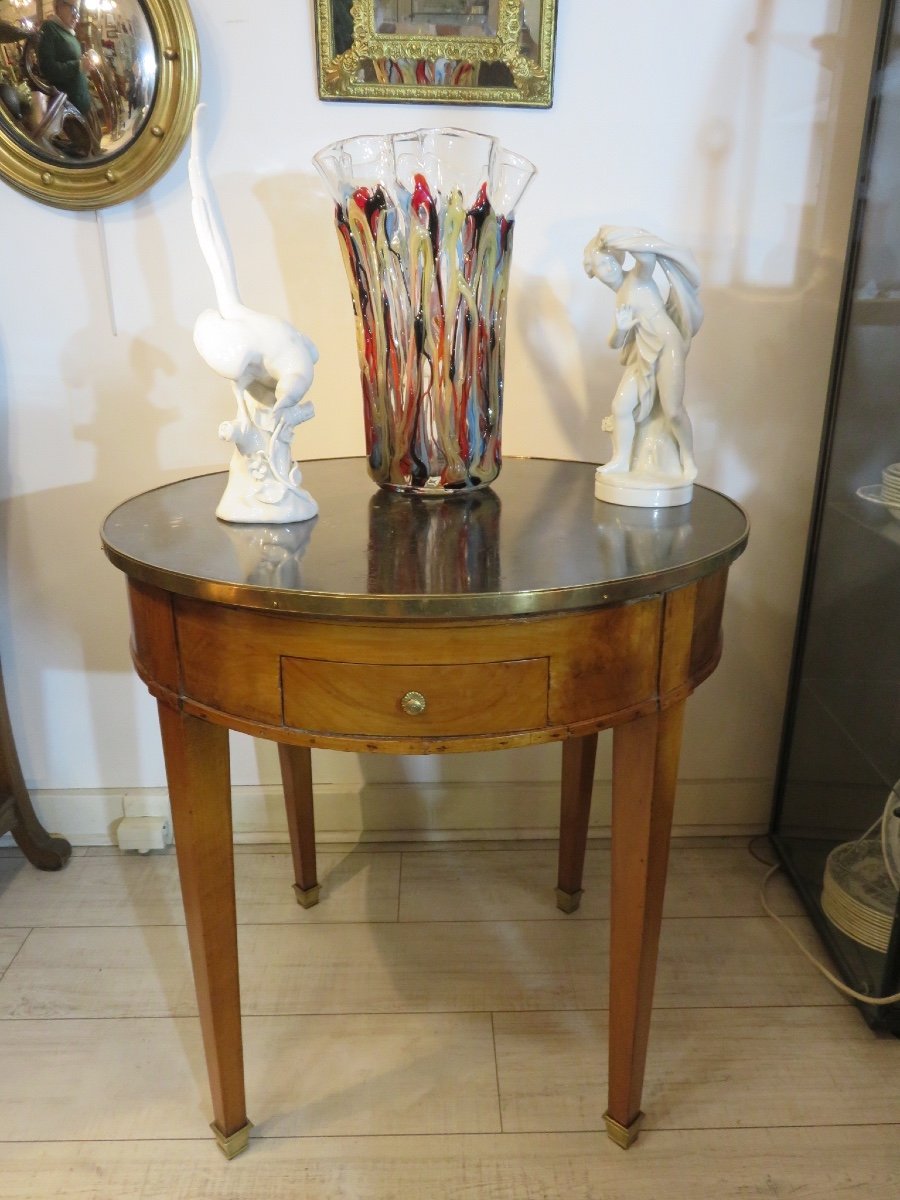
(841, 987)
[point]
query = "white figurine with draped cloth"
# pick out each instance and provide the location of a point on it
(652, 463)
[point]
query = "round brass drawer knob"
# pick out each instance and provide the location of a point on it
(413, 703)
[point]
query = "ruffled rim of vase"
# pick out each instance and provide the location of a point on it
(449, 158)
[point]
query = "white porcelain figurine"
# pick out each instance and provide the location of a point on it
(270, 365)
(652, 464)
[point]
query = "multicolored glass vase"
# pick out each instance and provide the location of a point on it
(425, 223)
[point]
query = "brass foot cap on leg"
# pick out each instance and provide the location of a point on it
(232, 1145)
(568, 902)
(307, 898)
(623, 1135)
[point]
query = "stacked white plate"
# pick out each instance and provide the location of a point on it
(890, 483)
(859, 889)
(887, 492)
(857, 895)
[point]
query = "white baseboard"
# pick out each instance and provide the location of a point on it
(411, 812)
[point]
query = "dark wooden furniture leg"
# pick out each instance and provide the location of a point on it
(17, 815)
(578, 757)
(197, 768)
(645, 765)
(296, 778)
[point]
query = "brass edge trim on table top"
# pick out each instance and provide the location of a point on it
(435, 607)
(438, 606)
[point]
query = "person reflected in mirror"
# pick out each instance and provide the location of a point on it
(61, 60)
(342, 24)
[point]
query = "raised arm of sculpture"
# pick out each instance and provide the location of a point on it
(652, 463)
(270, 365)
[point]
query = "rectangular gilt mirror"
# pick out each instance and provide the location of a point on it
(445, 51)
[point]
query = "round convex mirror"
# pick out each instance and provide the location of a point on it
(95, 95)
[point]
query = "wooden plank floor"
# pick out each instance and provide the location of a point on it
(435, 1028)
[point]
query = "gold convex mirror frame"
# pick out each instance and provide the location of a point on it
(95, 107)
(447, 51)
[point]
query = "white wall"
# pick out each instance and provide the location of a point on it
(731, 127)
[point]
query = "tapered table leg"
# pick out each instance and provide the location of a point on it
(197, 767)
(296, 779)
(578, 757)
(645, 765)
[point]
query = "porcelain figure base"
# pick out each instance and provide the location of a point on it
(641, 491)
(238, 508)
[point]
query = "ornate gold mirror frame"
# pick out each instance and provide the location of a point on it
(367, 52)
(111, 176)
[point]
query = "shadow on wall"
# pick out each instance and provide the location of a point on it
(770, 298)
(318, 302)
(310, 267)
(772, 263)
(62, 598)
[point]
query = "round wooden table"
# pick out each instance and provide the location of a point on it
(529, 612)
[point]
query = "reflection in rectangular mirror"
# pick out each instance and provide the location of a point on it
(443, 18)
(450, 51)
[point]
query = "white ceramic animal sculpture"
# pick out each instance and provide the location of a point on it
(652, 463)
(270, 365)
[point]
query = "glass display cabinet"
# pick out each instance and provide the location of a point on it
(836, 823)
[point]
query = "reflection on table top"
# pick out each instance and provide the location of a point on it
(537, 541)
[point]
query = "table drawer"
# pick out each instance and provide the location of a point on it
(369, 699)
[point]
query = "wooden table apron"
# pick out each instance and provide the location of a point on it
(343, 682)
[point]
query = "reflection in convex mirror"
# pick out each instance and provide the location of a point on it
(77, 80)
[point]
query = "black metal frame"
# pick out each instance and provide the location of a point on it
(878, 1017)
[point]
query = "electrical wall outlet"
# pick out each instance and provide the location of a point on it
(143, 834)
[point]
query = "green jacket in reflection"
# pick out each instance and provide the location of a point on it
(342, 21)
(59, 60)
